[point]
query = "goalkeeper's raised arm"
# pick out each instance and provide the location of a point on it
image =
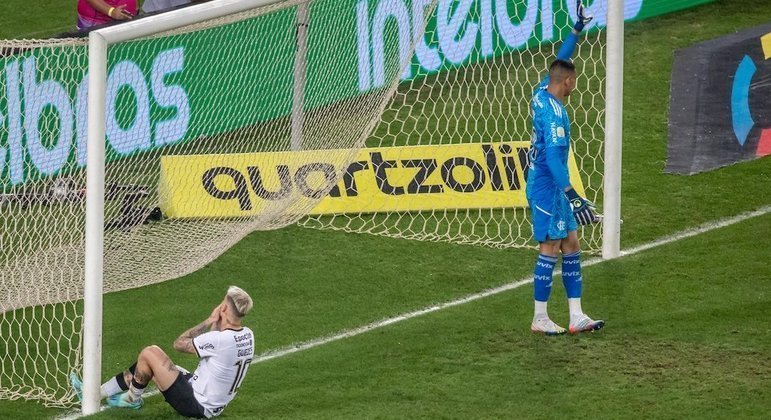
(568, 47)
(556, 208)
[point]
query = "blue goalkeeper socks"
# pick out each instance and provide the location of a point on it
(571, 274)
(542, 277)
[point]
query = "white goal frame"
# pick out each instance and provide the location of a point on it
(614, 101)
(100, 40)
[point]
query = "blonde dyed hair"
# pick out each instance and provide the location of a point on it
(240, 300)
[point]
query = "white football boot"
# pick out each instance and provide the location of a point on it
(583, 323)
(546, 326)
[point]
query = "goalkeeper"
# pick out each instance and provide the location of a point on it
(225, 353)
(556, 207)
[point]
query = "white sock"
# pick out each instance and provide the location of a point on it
(135, 393)
(575, 308)
(540, 310)
(110, 387)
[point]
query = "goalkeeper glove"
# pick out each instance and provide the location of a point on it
(583, 210)
(582, 18)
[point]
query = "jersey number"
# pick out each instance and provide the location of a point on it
(241, 366)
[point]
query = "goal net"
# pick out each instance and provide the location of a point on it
(213, 130)
(463, 107)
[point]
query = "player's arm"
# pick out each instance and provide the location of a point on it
(184, 343)
(117, 13)
(550, 128)
(556, 149)
(569, 45)
(559, 171)
(583, 209)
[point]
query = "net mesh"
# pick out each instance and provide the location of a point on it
(213, 94)
(488, 101)
(213, 90)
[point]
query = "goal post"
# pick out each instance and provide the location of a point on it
(611, 240)
(466, 100)
(146, 152)
(470, 84)
(93, 286)
(143, 154)
(99, 42)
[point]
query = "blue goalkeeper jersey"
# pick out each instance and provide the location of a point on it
(548, 157)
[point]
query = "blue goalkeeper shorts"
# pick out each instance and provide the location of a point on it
(552, 216)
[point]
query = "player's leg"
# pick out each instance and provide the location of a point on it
(571, 273)
(573, 281)
(115, 385)
(542, 284)
(181, 397)
(119, 383)
(152, 364)
(542, 214)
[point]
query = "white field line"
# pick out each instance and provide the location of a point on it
(284, 351)
(276, 353)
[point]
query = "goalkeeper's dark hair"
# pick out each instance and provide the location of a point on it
(561, 69)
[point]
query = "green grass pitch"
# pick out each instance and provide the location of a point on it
(688, 333)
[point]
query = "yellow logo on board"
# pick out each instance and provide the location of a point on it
(385, 179)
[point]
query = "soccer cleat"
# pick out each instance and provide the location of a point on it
(584, 323)
(122, 400)
(546, 326)
(77, 385)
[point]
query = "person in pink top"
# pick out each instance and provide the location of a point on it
(98, 12)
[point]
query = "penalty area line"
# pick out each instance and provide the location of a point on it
(306, 345)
